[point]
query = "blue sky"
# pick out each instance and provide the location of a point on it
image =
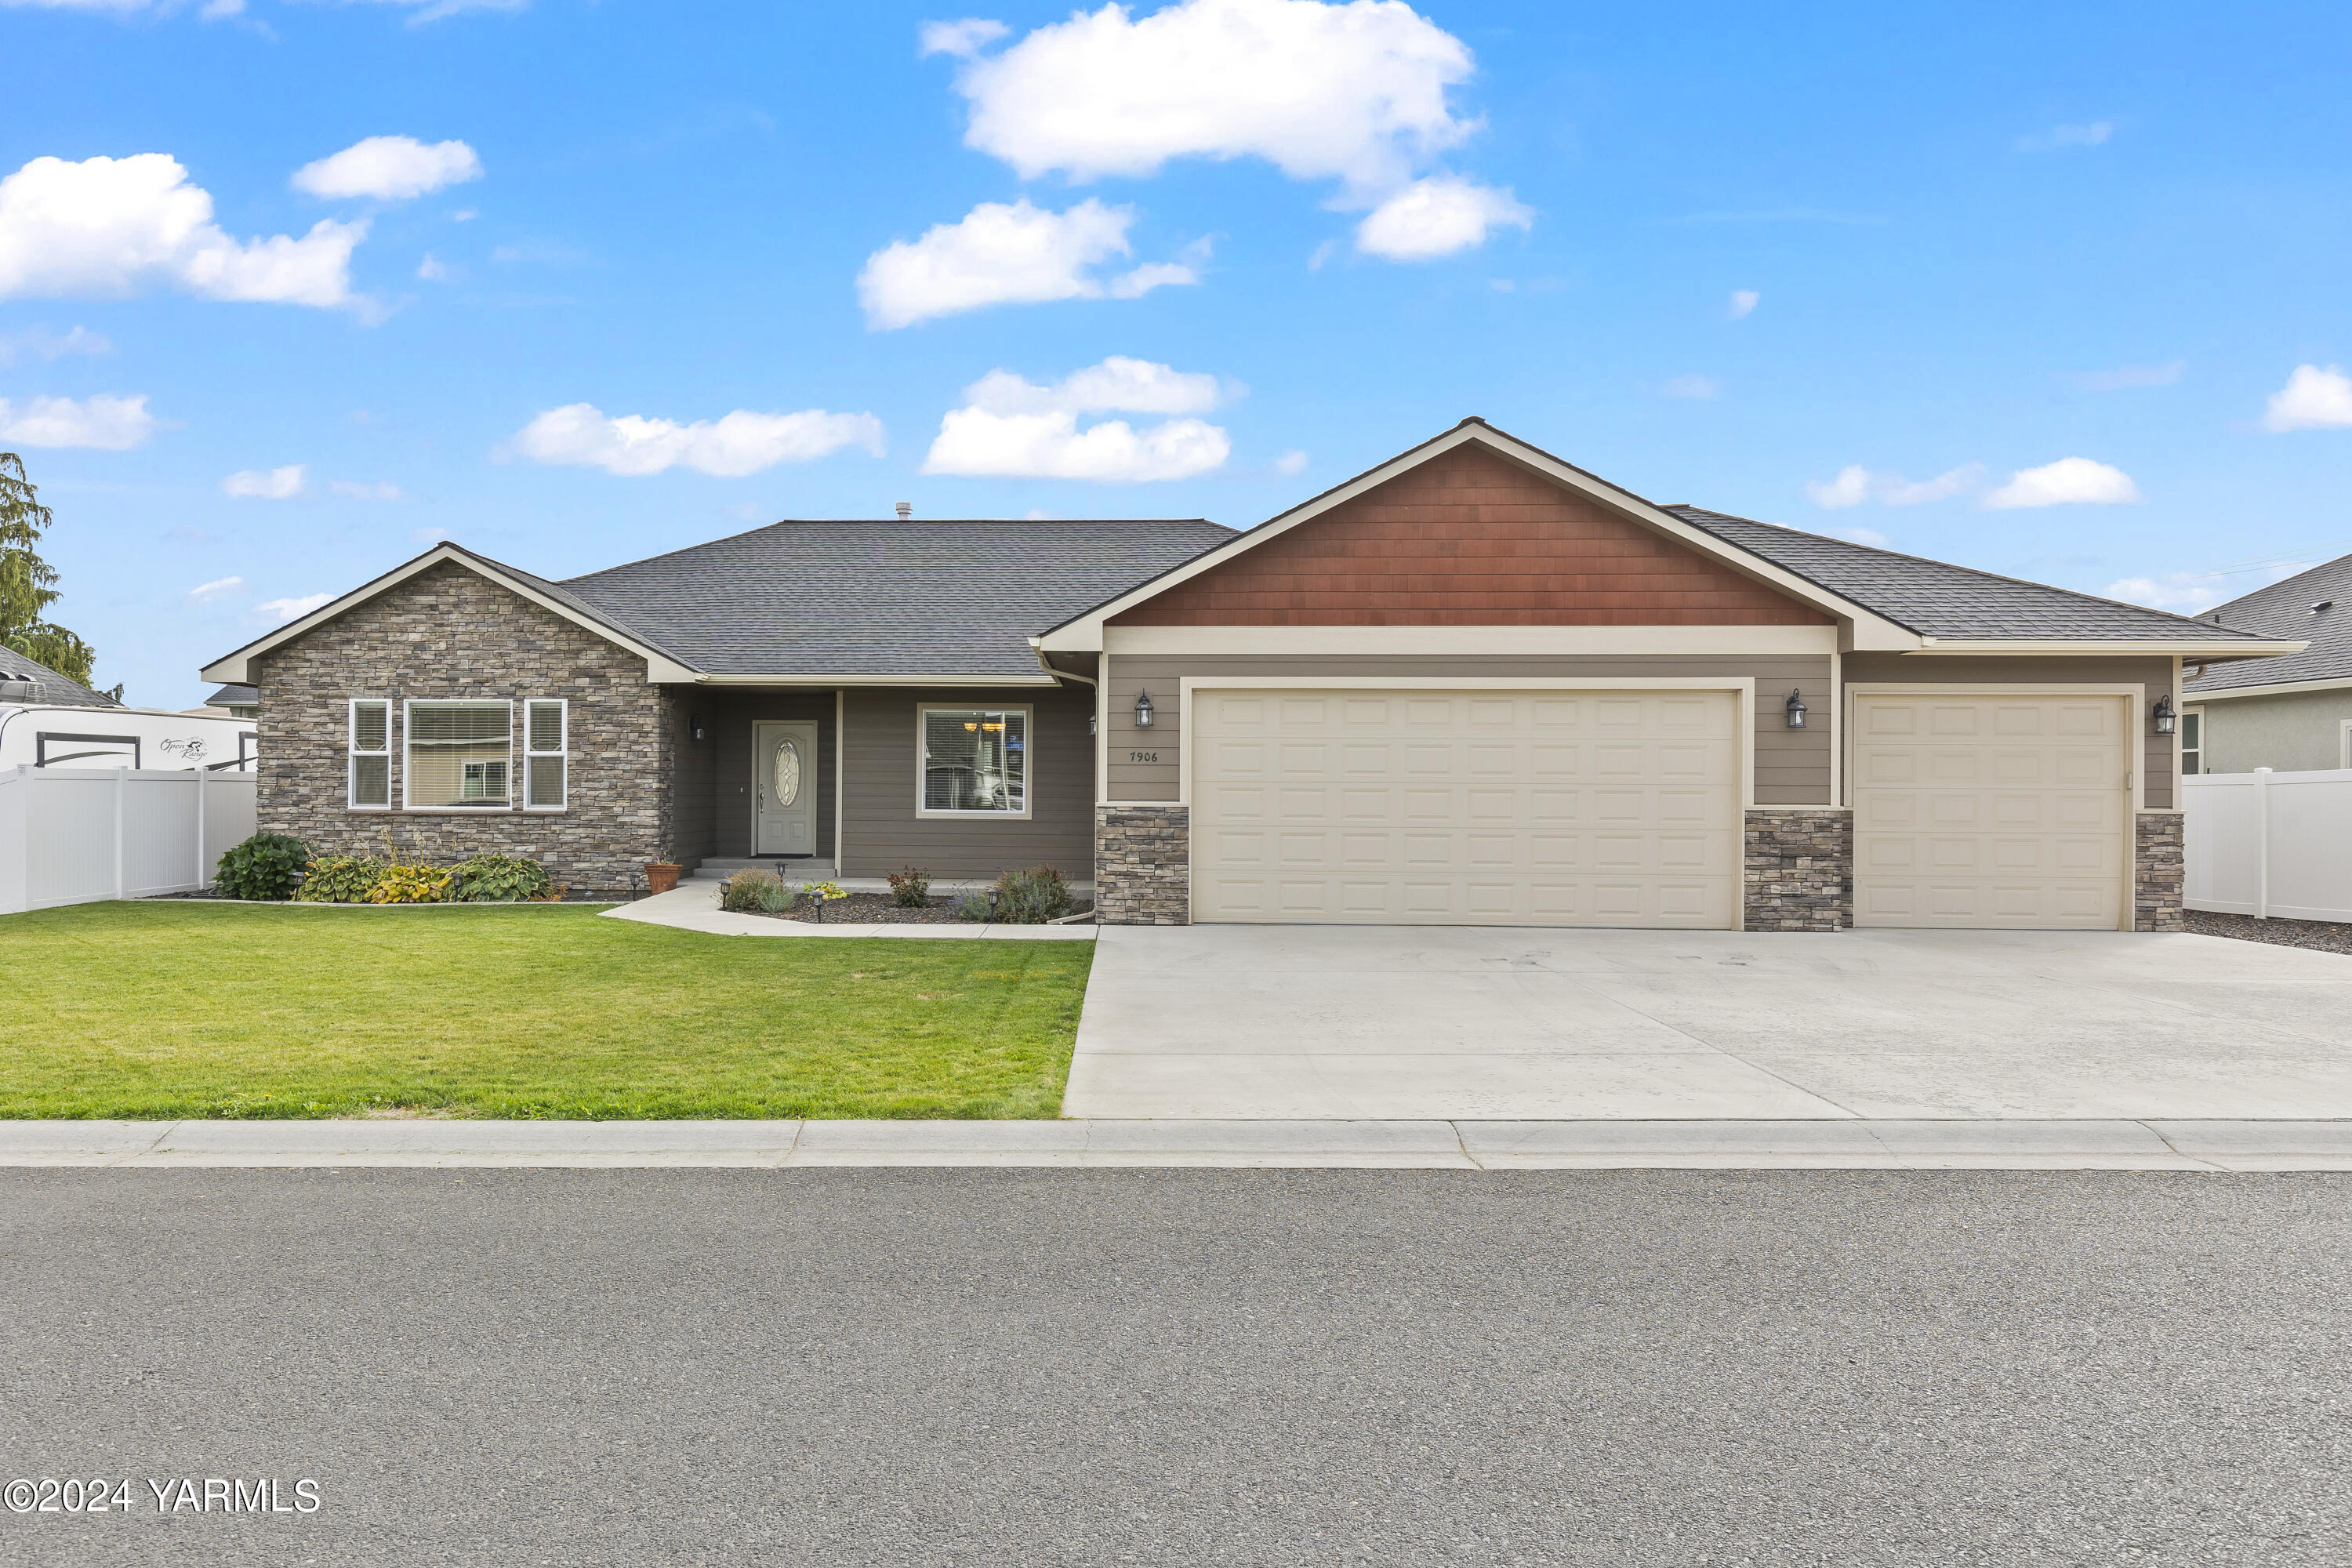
(2053, 290)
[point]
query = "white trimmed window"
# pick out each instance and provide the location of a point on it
(459, 755)
(2192, 742)
(371, 754)
(974, 761)
(545, 729)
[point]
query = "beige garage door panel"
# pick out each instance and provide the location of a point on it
(1990, 811)
(1467, 807)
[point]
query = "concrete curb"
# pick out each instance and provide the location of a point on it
(2203, 1146)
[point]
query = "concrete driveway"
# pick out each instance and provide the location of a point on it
(1516, 1024)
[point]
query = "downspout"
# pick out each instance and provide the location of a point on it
(1102, 783)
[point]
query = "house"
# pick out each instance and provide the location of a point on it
(48, 720)
(235, 701)
(2288, 713)
(1475, 685)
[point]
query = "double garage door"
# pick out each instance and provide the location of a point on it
(1624, 808)
(1471, 807)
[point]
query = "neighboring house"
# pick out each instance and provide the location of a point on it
(235, 702)
(1475, 685)
(2289, 713)
(50, 721)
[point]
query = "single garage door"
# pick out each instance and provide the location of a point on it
(1991, 811)
(1469, 807)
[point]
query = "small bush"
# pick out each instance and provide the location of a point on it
(501, 879)
(413, 885)
(910, 887)
(340, 879)
(263, 867)
(758, 892)
(973, 907)
(1033, 897)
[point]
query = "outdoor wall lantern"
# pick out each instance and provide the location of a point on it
(697, 724)
(1143, 710)
(1796, 709)
(2163, 714)
(1090, 725)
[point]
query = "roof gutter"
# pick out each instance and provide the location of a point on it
(830, 681)
(2239, 647)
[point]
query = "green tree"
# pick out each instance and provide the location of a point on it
(28, 583)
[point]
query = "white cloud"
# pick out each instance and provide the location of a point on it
(2182, 593)
(1011, 428)
(430, 270)
(261, 484)
(292, 609)
(963, 39)
(1743, 301)
(1438, 216)
(1695, 386)
(113, 225)
(740, 443)
(2312, 399)
(388, 169)
(42, 343)
(109, 424)
(1855, 484)
(1291, 462)
(2092, 135)
(2069, 481)
(205, 593)
(382, 490)
(999, 255)
(2124, 377)
(1355, 92)
(1869, 536)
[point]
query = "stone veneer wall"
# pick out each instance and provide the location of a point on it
(1800, 868)
(450, 632)
(1143, 865)
(2157, 871)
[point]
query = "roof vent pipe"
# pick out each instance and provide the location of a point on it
(905, 509)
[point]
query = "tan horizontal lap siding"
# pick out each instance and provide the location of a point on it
(2154, 672)
(880, 829)
(1792, 766)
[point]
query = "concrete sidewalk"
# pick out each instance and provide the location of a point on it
(2207, 1146)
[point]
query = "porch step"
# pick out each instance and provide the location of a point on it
(719, 867)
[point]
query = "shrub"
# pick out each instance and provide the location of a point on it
(263, 867)
(501, 879)
(910, 887)
(973, 907)
(1033, 897)
(758, 892)
(413, 885)
(340, 879)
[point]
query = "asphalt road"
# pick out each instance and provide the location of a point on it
(1149, 1367)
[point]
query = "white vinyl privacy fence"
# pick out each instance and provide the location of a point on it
(74, 836)
(2269, 844)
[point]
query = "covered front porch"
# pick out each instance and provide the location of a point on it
(846, 783)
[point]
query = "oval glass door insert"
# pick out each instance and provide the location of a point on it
(788, 771)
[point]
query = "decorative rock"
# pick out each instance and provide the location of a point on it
(1143, 865)
(1800, 868)
(2157, 871)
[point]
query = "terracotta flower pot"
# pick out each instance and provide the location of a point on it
(661, 876)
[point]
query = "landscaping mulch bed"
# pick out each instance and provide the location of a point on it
(2325, 936)
(872, 909)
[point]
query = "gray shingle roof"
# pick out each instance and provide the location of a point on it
(1936, 599)
(234, 697)
(883, 597)
(50, 689)
(2284, 610)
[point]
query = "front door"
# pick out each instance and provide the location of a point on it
(783, 788)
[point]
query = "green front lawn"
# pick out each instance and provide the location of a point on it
(189, 1009)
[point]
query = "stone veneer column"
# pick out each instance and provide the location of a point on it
(1800, 868)
(1143, 865)
(2157, 871)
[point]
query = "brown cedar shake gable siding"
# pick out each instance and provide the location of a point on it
(450, 632)
(1470, 538)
